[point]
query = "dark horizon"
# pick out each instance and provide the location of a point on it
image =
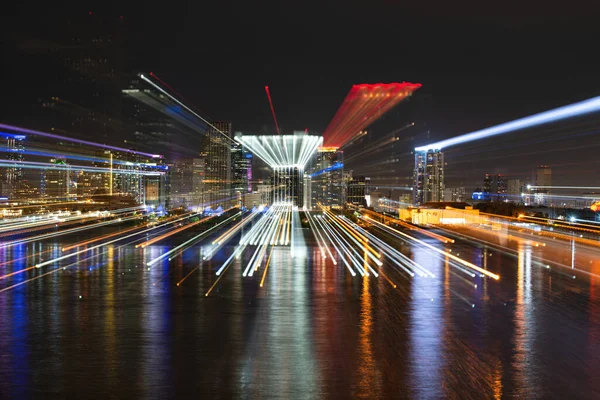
(491, 68)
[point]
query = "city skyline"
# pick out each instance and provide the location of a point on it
(288, 200)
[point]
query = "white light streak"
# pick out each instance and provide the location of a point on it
(572, 110)
(282, 151)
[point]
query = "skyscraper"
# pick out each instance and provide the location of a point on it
(494, 187)
(12, 178)
(57, 179)
(186, 181)
(358, 188)
(454, 195)
(241, 168)
(514, 190)
(218, 177)
(428, 176)
(543, 176)
(327, 178)
(543, 181)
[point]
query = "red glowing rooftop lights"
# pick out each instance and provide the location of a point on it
(363, 105)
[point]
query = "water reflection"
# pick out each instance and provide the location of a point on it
(312, 331)
(155, 341)
(426, 325)
(368, 378)
(524, 323)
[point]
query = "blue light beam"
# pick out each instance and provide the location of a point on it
(337, 165)
(570, 111)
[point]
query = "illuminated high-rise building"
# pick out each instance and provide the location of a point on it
(358, 189)
(57, 179)
(327, 178)
(186, 182)
(428, 183)
(218, 175)
(494, 187)
(241, 168)
(287, 157)
(12, 178)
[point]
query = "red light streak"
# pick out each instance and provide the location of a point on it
(363, 105)
(272, 109)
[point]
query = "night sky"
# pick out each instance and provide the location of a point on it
(481, 65)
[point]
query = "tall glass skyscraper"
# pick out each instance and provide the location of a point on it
(428, 176)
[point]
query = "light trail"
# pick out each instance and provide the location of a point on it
(404, 224)
(400, 259)
(319, 238)
(340, 254)
(348, 228)
(375, 146)
(172, 232)
(344, 245)
(184, 106)
(71, 167)
(68, 139)
(547, 233)
(565, 187)
(10, 229)
(188, 274)
(100, 245)
(188, 242)
(265, 239)
(219, 276)
(371, 253)
(236, 252)
(272, 109)
(225, 237)
(573, 110)
(262, 281)
(79, 157)
(536, 260)
(363, 105)
(66, 232)
(61, 268)
(282, 151)
(173, 90)
(445, 253)
(109, 235)
(571, 225)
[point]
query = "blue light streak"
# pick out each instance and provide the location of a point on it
(7, 135)
(570, 111)
(337, 165)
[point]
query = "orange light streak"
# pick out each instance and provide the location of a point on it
(262, 281)
(166, 235)
(109, 235)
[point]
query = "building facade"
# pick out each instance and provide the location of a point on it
(241, 170)
(12, 176)
(457, 194)
(428, 182)
(186, 183)
(328, 187)
(218, 177)
(57, 179)
(358, 189)
(494, 187)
